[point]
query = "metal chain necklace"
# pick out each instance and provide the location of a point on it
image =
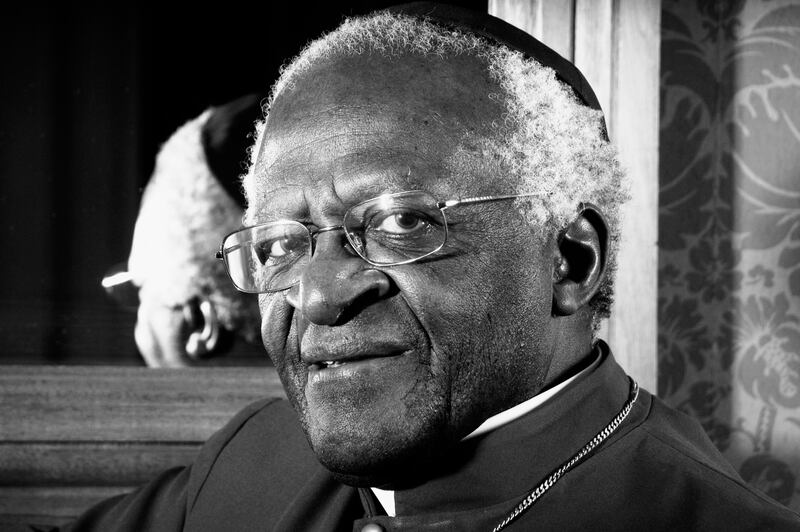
(599, 438)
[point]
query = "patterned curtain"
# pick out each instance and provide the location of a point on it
(729, 238)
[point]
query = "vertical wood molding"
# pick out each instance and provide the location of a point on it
(632, 330)
(546, 20)
(616, 44)
(594, 48)
(526, 16)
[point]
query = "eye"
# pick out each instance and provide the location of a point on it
(279, 248)
(270, 250)
(401, 223)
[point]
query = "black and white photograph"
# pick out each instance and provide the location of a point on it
(374, 266)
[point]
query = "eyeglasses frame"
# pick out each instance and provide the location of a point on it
(441, 205)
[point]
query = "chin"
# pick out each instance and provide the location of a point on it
(389, 454)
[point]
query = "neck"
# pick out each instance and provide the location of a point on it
(572, 346)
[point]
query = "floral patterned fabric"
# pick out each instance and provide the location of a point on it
(729, 237)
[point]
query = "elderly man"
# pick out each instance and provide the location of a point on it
(187, 309)
(431, 224)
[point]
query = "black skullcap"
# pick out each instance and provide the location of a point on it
(226, 136)
(501, 32)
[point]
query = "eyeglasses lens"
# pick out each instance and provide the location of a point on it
(396, 228)
(267, 258)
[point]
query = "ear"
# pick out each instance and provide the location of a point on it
(580, 261)
(204, 337)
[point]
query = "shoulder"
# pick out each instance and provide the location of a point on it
(263, 417)
(265, 423)
(671, 429)
(673, 446)
(262, 447)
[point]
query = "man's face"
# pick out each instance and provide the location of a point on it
(426, 351)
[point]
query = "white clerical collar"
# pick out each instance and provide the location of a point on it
(386, 497)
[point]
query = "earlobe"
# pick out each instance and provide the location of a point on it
(580, 264)
(203, 341)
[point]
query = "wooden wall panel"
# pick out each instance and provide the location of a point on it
(616, 43)
(89, 463)
(44, 506)
(80, 403)
(71, 436)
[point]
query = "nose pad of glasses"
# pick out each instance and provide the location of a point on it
(292, 295)
(357, 241)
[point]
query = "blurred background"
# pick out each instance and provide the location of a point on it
(89, 92)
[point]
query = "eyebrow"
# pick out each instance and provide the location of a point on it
(280, 201)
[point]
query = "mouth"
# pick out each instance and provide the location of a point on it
(332, 362)
(342, 364)
(325, 364)
(321, 354)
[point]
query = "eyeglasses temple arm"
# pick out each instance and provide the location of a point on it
(479, 199)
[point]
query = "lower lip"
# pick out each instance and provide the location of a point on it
(356, 369)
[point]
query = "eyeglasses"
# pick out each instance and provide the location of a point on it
(389, 230)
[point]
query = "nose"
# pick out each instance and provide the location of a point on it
(336, 282)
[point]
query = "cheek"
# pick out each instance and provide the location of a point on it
(485, 316)
(451, 301)
(280, 342)
(457, 299)
(276, 327)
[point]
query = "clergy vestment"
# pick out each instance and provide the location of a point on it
(656, 471)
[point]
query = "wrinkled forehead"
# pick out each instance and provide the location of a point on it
(377, 119)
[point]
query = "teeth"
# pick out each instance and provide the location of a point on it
(331, 363)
